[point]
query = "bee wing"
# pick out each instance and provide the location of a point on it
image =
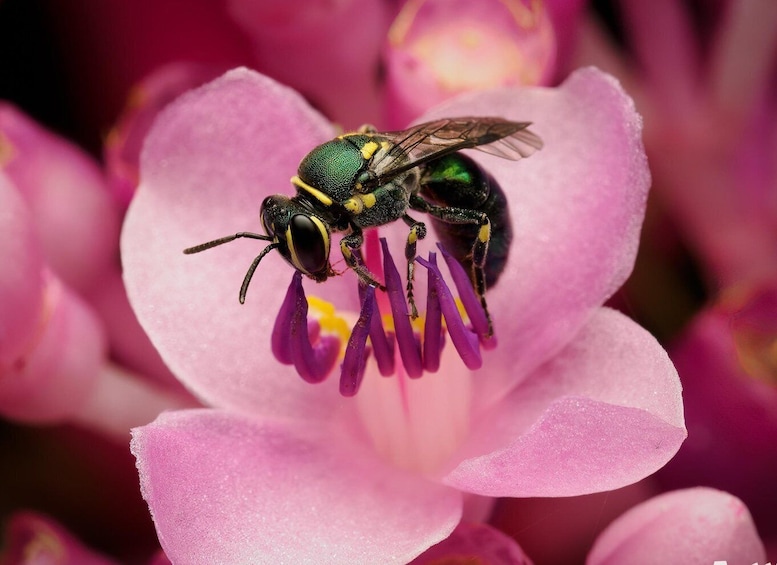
(430, 140)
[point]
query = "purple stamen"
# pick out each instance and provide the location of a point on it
(469, 299)
(381, 345)
(464, 340)
(433, 336)
(293, 336)
(356, 352)
(409, 350)
(291, 339)
(280, 343)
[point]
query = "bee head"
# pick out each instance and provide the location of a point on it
(303, 239)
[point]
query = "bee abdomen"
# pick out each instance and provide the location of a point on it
(457, 181)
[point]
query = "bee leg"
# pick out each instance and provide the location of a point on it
(479, 254)
(350, 243)
(453, 215)
(417, 231)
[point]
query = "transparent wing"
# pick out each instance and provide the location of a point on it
(424, 142)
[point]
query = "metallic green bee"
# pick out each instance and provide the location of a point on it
(368, 178)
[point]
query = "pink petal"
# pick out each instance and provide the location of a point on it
(51, 343)
(603, 414)
(209, 161)
(21, 287)
(699, 525)
(130, 345)
(57, 375)
(228, 489)
(577, 208)
(147, 98)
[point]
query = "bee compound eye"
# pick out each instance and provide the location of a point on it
(308, 240)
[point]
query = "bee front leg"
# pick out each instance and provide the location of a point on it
(348, 245)
(417, 231)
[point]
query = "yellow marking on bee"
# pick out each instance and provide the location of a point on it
(359, 202)
(484, 235)
(354, 205)
(359, 132)
(314, 192)
(369, 149)
(293, 252)
(345, 250)
(368, 199)
(322, 229)
(412, 237)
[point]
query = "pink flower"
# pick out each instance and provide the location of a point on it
(726, 359)
(699, 525)
(575, 398)
(437, 49)
(707, 94)
(59, 231)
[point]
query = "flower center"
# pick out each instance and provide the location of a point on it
(314, 346)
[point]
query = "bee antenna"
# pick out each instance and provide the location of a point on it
(252, 268)
(227, 239)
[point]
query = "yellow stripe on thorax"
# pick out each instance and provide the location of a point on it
(314, 192)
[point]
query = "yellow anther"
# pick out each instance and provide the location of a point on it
(460, 308)
(388, 322)
(417, 324)
(328, 320)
